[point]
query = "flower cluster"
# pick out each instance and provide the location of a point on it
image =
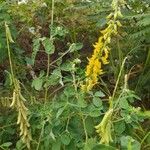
(101, 48)
(104, 127)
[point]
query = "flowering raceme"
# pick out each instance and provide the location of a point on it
(101, 48)
(101, 53)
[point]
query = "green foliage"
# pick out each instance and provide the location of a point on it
(51, 73)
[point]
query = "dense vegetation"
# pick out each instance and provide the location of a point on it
(74, 74)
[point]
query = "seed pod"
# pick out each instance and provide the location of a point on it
(21, 127)
(14, 99)
(28, 125)
(19, 118)
(25, 132)
(21, 133)
(24, 115)
(22, 98)
(23, 106)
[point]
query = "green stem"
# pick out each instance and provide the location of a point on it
(47, 74)
(119, 52)
(84, 127)
(145, 137)
(12, 124)
(9, 56)
(118, 79)
(48, 59)
(41, 134)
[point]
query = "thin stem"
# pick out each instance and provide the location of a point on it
(12, 124)
(105, 86)
(67, 124)
(59, 58)
(39, 141)
(119, 52)
(9, 56)
(48, 59)
(47, 74)
(145, 137)
(84, 127)
(74, 81)
(118, 79)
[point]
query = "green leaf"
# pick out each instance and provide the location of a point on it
(65, 139)
(144, 113)
(97, 102)
(60, 111)
(99, 94)
(67, 66)
(48, 45)
(60, 31)
(81, 101)
(130, 143)
(29, 60)
(55, 78)
(123, 103)
(90, 144)
(75, 47)
(69, 91)
(36, 46)
(57, 72)
(52, 80)
(119, 127)
(37, 83)
(103, 147)
(95, 113)
(42, 73)
(7, 144)
(20, 145)
(89, 123)
(56, 145)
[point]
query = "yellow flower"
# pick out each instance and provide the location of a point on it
(105, 57)
(101, 50)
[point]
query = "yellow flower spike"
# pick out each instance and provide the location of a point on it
(105, 57)
(119, 24)
(108, 40)
(101, 51)
(119, 14)
(110, 16)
